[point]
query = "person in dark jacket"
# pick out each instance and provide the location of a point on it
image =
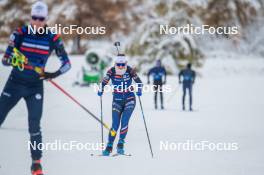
(187, 79)
(159, 79)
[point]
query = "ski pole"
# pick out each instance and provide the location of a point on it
(146, 127)
(79, 104)
(117, 45)
(102, 128)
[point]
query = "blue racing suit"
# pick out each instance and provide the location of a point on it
(158, 73)
(123, 100)
(188, 80)
(27, 84)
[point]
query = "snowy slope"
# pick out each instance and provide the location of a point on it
(228, 108)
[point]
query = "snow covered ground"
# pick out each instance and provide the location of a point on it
(228, 108)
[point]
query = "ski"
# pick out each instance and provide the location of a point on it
(100, 155)
(115, 155)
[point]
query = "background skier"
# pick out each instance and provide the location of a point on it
(159, 78)
(188, 76)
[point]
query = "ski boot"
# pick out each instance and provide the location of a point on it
(183, 108)
(191, 108)
(36, 168)
(120, 147)
(108, 149)
(156, 107)
(162, 107)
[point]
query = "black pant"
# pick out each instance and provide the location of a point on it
(187, 86)
(33, 95)
(158, 88)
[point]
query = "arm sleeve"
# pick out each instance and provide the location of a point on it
(194, 76)
(62, 55)
(106, 78)
(165, 74)
(14, 41)
(136, 79)
(179, 75)
(149, 73)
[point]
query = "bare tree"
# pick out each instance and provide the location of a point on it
(107, 13)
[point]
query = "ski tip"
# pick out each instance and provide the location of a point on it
(99, 155)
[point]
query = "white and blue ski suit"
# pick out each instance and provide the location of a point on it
(123, 100)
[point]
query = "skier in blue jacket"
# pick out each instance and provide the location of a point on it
(159, 79)
(27, 82)
(124, 100)
(188, 76)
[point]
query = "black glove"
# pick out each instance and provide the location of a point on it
(6, 61)
(49, 75)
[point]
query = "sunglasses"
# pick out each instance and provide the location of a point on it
(41, 19)
(120, 64)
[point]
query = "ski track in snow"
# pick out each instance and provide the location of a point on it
(228, 107)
